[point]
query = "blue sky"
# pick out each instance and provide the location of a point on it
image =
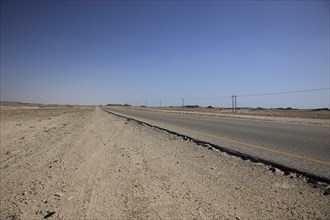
(85, 52)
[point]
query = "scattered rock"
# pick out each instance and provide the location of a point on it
(286, 173)
(49, 214)
(58, 194)
(13, 216)
(272, 169)
(312, 181)
(293, 175)
(278, 171)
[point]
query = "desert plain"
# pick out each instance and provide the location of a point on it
(80, 162)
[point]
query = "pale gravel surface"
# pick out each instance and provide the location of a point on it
(83, 163)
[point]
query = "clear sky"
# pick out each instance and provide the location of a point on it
(99, 52)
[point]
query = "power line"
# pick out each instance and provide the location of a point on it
(283, 93)
(230, 96)
(217, 97)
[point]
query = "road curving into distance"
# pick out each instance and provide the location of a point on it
(301, 147)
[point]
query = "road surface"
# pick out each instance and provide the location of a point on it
(301, 147)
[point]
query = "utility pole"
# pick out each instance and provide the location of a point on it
(160, 103)
(146, 104)
(232, 103)
(183, 103)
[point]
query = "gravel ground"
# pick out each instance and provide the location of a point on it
(82, 163)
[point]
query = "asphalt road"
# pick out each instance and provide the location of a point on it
(302, 147)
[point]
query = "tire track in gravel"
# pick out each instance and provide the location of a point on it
(97, 140)
(95, 191)
(29, 180)
(32, 149)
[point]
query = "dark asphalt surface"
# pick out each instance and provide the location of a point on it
(302, 147)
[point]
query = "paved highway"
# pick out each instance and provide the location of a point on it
(301, 147)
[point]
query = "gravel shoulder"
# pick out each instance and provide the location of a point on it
(83, 163)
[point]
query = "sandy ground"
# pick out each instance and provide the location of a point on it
(83, 163)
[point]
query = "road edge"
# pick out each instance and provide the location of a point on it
(314, 180)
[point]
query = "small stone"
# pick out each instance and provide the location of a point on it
(49, 213)
(58, 194)
(327, 192)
